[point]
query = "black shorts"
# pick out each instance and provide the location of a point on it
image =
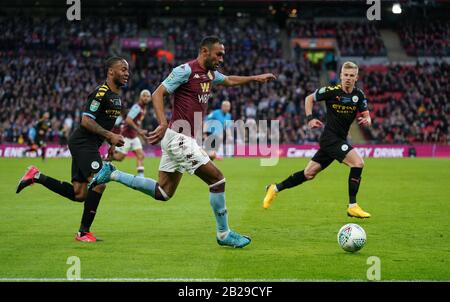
(40, 141)
(84, 163)
(330, 150)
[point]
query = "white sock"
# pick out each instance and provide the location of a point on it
(140, 171)
(351, 205)
(222, 235)
(275, 188)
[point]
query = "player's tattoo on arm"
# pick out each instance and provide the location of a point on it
(92, 126)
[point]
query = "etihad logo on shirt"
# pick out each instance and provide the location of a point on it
(205, 87)
(112, 113)
(343, 108)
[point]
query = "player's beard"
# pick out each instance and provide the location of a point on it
(118, 83)
(209, 65)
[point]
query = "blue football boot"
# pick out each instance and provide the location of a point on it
(235, 240)
(102, 176)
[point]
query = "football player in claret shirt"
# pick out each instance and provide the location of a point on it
(190, 84)
(101, 111)
(343, 102)
(132, 130)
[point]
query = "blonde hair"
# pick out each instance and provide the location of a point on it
(349, 65)
(145, 91)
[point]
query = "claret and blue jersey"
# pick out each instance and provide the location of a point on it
(191, 86)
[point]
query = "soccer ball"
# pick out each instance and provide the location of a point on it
(351, 237)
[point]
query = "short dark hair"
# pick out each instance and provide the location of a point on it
(209, 41)
(111, 61)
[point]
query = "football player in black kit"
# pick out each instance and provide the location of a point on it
(102, 108)
(343, 102)
(38, 141)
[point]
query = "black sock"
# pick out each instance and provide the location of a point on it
(354, 179)
(43, 150)
(62, 188)
(292, 181)
(90, 209)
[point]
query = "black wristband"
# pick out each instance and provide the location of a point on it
(310, 118)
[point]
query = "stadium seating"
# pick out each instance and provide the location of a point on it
(409, 103)
(354, 38)
(426, 39)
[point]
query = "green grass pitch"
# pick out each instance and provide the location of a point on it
(295, 239)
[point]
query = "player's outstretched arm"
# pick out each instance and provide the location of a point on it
(234, 80)
(158, 105)
(92, 126)
(312, 122)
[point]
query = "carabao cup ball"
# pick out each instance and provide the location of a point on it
(351, 237)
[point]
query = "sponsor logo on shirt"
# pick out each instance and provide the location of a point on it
(204, 98)
(205, 87)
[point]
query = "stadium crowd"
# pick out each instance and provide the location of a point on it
(410, 104)
(353, 38)
(426, 38)
(52, 65)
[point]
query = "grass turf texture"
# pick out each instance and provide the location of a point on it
(295, 239)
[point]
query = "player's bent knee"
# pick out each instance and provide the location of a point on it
(218, 187)
(99, 188)
(140, 156)
(80, 196)
(358, 164)
(309, 176)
